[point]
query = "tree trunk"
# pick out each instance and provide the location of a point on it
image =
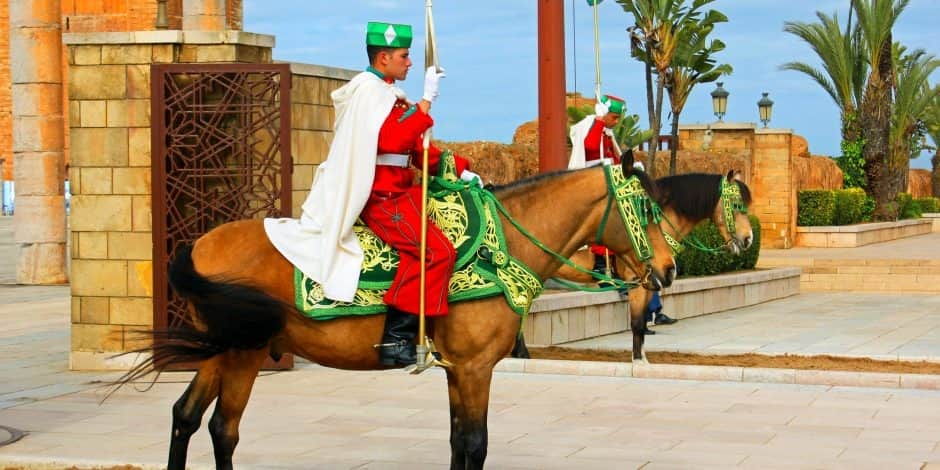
(875, 125)
(935, 174)
(657, 126)
(674, 144)
(651, 154)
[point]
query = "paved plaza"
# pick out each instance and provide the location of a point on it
(313, 417)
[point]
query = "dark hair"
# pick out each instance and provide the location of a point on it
(373, 52)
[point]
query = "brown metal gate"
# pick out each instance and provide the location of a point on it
(220, 152)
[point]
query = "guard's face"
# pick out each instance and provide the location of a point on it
(610, 119)
(397, 63)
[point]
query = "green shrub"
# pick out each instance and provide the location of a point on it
(868, 209)
(693, 262)
(849, 206)
(852, 164)
(928, 204)
(815, 207)
(907, 207)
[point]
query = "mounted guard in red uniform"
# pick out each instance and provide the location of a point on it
(368, 174)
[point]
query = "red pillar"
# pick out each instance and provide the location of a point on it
(552, 116)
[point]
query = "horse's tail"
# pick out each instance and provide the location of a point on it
(234, 315)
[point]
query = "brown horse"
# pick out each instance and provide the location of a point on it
(240, 293)
(686, 200)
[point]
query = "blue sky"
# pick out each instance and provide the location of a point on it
(489, 50)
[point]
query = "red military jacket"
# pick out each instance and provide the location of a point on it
(592, 144)
(401, 133)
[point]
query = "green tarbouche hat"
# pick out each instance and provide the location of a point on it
(388, 35)
(614, 104)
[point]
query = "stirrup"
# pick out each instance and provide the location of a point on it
(428, 357)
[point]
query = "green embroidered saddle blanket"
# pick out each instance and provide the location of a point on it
(484, 268)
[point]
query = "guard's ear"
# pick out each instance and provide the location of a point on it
(626, 161)
(738, 176)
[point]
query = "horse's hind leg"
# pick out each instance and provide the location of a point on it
(239, 371)
(468, 417)
(188, 411)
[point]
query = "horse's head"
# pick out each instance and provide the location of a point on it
(730, 214)
(631, 226)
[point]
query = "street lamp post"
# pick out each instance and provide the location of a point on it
(720, 101)
(765, 106)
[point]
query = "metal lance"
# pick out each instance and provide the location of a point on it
(427, 355)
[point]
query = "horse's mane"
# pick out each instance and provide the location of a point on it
(695, 195)
(502, 190)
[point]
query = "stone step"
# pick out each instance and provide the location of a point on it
(863, 275)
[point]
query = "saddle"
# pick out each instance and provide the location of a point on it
(484, 268)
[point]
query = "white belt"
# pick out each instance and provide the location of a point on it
(599, 161)
(393, 159)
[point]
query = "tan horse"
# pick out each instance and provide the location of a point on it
(686, 200)
(240, 292)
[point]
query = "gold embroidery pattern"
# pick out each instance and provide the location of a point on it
(450, 215)
(376, 254)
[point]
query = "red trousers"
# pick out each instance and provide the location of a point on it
(397, 221)
(601, 250)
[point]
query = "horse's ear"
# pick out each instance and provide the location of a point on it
(626, 161)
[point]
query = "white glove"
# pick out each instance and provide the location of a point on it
(609, 131)
(600, 109)
(470, 176)
(432, 80)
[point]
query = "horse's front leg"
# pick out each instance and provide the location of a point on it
(639, 299)
(458, 456)
(188, 411)
(239, 371)
(468, 416)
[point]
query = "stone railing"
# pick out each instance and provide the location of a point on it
(848, 236)
(561, 316)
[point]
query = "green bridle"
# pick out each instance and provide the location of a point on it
(636, 208)
(731, 202)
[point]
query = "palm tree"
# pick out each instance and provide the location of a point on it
(843, 66)
(693, 64)
(876, 19)
(653, 41)
(932, 121)
(913, 96)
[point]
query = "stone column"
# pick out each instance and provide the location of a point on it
(204, 15)
(38, 140)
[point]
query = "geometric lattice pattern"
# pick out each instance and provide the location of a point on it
(221, 152)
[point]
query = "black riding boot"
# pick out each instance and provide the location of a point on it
(398, 347)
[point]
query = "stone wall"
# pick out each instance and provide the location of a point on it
(6, 101)
(312, 120)
(109, 91)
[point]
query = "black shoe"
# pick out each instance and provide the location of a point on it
(398, 347)
(661, 318)
(649, 331)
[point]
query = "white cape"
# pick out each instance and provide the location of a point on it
(321, 244)
(578, 133)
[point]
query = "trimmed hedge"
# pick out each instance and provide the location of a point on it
(849, 204)
(692, 262)
(907, 208)
(833, 207)
(815, 207)
(928, 204)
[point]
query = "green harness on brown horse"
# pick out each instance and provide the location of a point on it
(469, 217)
(484, 267)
